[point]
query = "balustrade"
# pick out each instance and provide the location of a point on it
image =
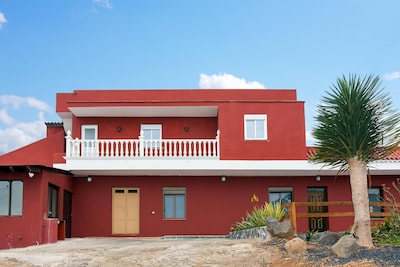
(142, 148)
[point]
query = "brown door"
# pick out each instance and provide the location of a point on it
(67, 212)
(125, 210)
(317, 194)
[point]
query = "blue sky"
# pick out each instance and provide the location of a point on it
(52, 46)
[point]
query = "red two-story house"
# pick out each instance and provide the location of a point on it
(165, 162)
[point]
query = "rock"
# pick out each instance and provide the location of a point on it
(279, 229)
(296, 245)
(256, 233)
(328, 238)
(346, 246)
(271, 222)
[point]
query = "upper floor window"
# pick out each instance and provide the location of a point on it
(11, 195)
(89, 135)
(255, 127)
(89, 132)
(152, 134)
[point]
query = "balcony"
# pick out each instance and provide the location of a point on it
(141, 148)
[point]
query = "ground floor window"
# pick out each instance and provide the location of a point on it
(174, 202)
(11, 195)
(283, 195)
(52, 202)
(375, 195)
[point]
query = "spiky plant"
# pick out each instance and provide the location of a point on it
(355, 126)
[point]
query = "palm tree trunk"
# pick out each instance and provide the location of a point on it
(359, 192)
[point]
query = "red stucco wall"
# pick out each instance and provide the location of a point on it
(90, 98)
(212, 206)
(32, 228)
(172, 128)
(38, 153)
(285, 130)
(285, 118)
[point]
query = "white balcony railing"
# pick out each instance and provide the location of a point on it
(141, 148)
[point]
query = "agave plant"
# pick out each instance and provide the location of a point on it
(258, 216)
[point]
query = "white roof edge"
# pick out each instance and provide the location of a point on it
(198, 167)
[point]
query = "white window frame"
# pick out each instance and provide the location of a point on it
(86, 148)
(154, 143)
(89, 126)
(255, 117)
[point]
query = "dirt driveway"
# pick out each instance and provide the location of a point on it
(196, 252)
(142, 252)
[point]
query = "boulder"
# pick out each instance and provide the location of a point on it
(346, 246)
(282, 229)
(296, 245)
(328, 238)
(271, 222)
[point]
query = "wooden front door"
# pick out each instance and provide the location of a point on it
(125, 210)
(317, 194)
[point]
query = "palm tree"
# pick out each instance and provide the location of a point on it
(355, 126)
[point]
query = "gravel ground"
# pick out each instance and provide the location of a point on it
(320, 255)
(213, 252)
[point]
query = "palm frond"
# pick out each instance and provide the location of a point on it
(355, 119)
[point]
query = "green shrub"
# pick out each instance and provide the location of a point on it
(258, 216)
(388, 232)
(310, 234)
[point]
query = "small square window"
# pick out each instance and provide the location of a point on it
(174, 202)
(283, 195)
(255, 127)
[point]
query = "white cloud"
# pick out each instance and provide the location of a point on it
(21, 134)
(20, 128)
(227, 81)
(40, 105)
(2, 19)
(392, 76)
(5, 118)
(103, 3)
(17, 101)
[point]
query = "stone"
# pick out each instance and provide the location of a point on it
(296, 245)
(280, 229)
(346, 246)
(253, 233)
(328, 238)
(271, 222)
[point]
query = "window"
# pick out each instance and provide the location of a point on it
(11, 194)
(280, 194)
(255, 127)
(174, 202)
(89, 133)
(52, 202)
(375, 195)
(152, 134)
